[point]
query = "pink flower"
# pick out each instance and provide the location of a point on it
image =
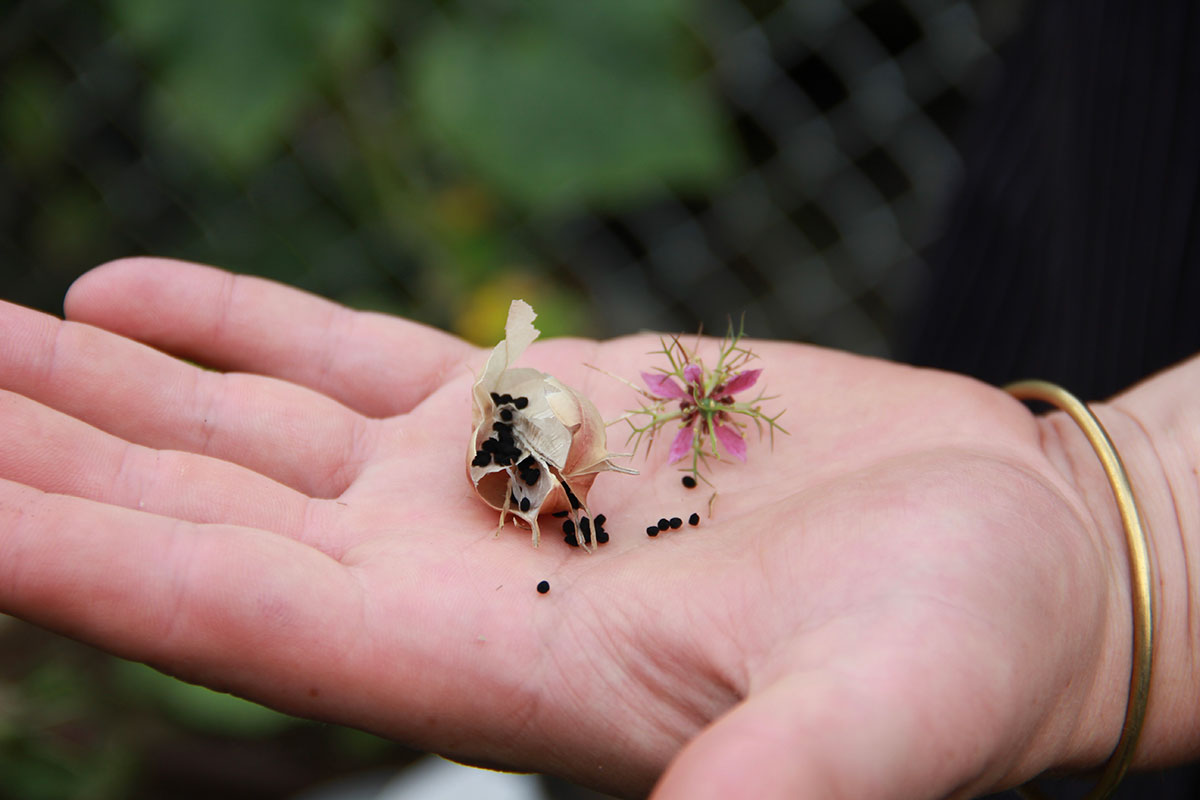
(731, 439)
(738, 383)
(662, 386)
(681, 445)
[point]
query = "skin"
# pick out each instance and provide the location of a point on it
(921, 593)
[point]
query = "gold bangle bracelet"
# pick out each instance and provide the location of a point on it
(1139, 577)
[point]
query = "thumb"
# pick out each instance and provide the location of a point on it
(829, 736)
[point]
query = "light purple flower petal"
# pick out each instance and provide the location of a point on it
(682, 444)
(731, 439)
(662, 386)
(741, 382)
(692, 373)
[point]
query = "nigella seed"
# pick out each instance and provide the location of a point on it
(529, 463)
(543, 587)
(524, 505)
(490, 446)
(585, 525)
(520, 402)
(574, 501)
(694, 519)
(560, 513)
(531, 477)
(513, 498)
(495, 399)
(688, 481)
(506, 415)
(676, 523)
(652, 530)
(663, 524)
(482, 459)
(601, 537)
(568, 527)
(505, 398)
(600, 520)
(571, 540)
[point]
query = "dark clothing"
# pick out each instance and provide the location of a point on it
(1072, 252)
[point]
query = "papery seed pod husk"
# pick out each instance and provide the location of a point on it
(559, 429)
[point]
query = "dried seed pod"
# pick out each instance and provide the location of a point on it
(538, 444)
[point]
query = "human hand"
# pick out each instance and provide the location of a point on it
(908, 598)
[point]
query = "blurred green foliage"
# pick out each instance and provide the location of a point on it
(387, 155)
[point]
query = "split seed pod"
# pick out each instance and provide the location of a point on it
(538, 444)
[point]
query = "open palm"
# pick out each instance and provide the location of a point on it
(862, 615)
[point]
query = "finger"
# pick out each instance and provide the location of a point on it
(375, 364)
(288, 433)
(219, 604)
(55, 453)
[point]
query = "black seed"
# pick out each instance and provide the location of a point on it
(601, 537)
(506, 415)
(652, 530)
(482, 459)
(585, 525)
(529, 463)
(495, 398)
(490, 446)
(676, 523)
(560, 513)
(568, 527)
(531, 477)
(694, 519)
(505, 398)
(688, 481)
(573, 500)
(663, 524)
(513, 498)
(502, 428)
(543, 587)
(520, 402)
(570, 539)
(587, 536)
(524, 504)
(600, 520)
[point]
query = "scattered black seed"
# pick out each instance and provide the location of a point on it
(571, 540)
(600, 520)
(587, 536)
(688, 481)
(676, 523)
(505, 398)
(601, 537)
(506, 414)
(490, 446)
(543, 587)
(652, 530)
(568, 527)
(502, 428)
(482, 459)
(574, 501)
(560, 513)
(520, 402)
(495, 399)
(524, 504)
(694, 519)
(585, 525)
(513, 498)
(529, 463)
(531, 476)
(663, 524)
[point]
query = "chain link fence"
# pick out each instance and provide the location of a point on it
(841, 117)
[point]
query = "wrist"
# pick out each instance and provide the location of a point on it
(1161, 471)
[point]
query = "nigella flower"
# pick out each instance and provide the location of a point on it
(703, 402)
